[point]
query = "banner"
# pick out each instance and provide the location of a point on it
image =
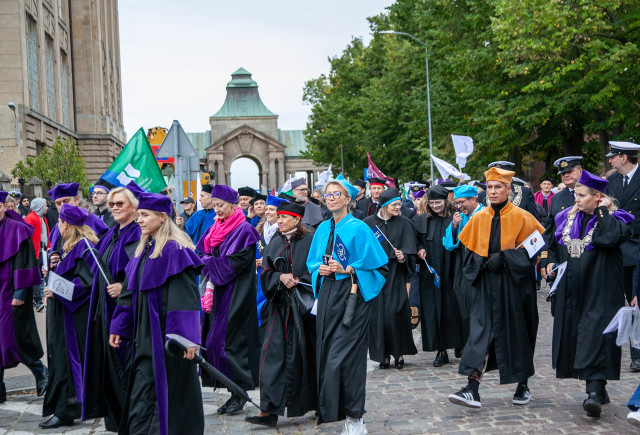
(447, 169)
(324, 177)
(136, 162)
(373, 171)
(464, 147)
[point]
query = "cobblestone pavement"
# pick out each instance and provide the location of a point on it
(412, 401)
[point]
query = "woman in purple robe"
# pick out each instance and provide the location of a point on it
(231, 335)
(160, 297)
(19, 339)
(105, 380)
(67, 319)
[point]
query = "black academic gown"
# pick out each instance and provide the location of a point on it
(503, 315)
(107, 217)
(288, 357)
(65, 378)
(587, 298)
(390, 325)
(560, 201)
(441, 320)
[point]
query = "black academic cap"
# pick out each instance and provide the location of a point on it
(437, 192)
(207, 188)
(258, 197)
(547, 178)
(360, 183)
(246, 191)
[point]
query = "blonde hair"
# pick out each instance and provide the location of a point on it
(612, 207)
(72, 235)
(166, 232)
(338, 183)
(126, 192)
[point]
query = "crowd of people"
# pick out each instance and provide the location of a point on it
(291, 294)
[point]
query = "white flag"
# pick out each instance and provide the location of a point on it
(533, 243)
(560, 269)
(464, 147)
(324, 177)
(447, 169)
(287, 185)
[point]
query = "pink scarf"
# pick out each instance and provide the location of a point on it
(221, 229)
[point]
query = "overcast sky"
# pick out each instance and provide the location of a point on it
(177, 57)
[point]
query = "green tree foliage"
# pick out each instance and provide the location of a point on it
(527, 79)
(61, 162)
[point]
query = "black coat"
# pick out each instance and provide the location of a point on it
(628, 200)
(587, 298)
(287, 361)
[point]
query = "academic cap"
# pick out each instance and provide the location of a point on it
(437, 192)
(298, 182)
(243, 191)
(501, 164)
(291, 209)
(419, 194)
(155, 202)
(360, 183)
(378, 181)
(3, 196)
(73, 215)
(628, 148)
(104, 185)
(499, 174)
(565, 164)
(134, 188)
(63, 190)
(225, 193)
(274, 200)
(353, 190)
(258, 197)
(592, 181)
(389, 196)
(465, 191)
(547, 178)
(449, 185)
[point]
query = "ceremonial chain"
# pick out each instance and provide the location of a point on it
(575, 246)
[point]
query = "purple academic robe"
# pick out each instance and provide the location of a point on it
(160, 297)
(231, 335)
(93, 222)
(18, 269)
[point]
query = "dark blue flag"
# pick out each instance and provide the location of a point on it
(341, 252)
(378, 233)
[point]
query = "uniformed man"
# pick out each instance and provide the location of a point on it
(569, 169)
(521, 195)
(624, 185)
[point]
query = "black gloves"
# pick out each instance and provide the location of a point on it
(494, 263)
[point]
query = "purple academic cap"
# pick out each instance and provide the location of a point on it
(62, 190)
(224, 193)
(3, 195)
(592, 181)
(155, 202)
(134, 188)
(73, 215)
(419, 194)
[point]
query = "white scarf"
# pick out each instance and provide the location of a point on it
(269, 230)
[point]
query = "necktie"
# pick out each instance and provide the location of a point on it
(573, 192)
(625, 183)
(545, 204)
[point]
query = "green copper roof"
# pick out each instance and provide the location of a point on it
(294, 141)
(243, 99)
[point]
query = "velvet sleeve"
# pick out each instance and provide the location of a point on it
(122, 319)
(609, 231)
(82, 280)
(223, 270)
(26, 272)
(183, 306)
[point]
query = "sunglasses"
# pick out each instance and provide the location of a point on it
(118, 204)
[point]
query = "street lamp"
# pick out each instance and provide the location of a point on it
(426, 51)
(12, 106)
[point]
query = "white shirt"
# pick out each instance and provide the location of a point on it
(630, 174)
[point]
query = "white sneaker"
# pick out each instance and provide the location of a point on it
(633, 418)
(354, 426)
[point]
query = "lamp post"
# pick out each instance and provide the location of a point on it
(426, 52)
(12, 106)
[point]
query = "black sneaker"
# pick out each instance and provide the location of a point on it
(592, 405)
(466, 397)
(522, 395)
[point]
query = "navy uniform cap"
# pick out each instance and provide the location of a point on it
(565, 164)
(502, 164)
(628, 148)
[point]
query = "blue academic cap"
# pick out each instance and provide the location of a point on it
(274, 200)
(353, 191)
(465, 191)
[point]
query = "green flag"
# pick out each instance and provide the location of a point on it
(136, 162)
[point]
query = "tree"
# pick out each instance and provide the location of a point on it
(528, 80)
(61, 162)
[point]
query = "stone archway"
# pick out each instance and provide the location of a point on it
(245, 171)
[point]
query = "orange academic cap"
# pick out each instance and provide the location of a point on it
(497, 174)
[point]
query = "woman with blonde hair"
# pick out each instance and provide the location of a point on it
(159, 297)
(67, 320)
(588, 237)
(105, 380)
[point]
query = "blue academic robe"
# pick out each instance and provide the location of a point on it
(450, 239)
(199, 223)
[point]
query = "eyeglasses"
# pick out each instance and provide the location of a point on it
(301, 189)
(118, 204)
(98, 193)
(459, 203)
(334, 195)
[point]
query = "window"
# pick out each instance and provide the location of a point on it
(64, 91)
(32, 61)
(51, 83)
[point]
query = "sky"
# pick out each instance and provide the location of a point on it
(177, 57)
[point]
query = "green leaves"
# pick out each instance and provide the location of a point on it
(61, 162)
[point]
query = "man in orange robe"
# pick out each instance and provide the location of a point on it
(503, 315)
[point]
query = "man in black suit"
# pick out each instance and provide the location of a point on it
(624, 186)
(521, 195)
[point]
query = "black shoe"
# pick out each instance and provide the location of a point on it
(441, 359)
(538, 286)
(466, 397)
(236, 405)
(604, 397)
(55, 422)
(457, 352)
(635, 365)
(399, 362)
(522, 395)
(3, 393)
(42, 380)
(223, 408)
(386, 364)
(592, 405)
(39, 306)
(270, 420)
